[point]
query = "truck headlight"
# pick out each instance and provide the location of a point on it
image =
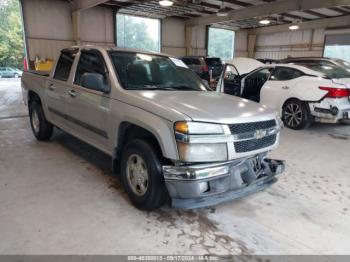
(199, 152)
(202, 152)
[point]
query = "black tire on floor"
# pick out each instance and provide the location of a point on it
(296, 114)
(141, 155)
(41, 128)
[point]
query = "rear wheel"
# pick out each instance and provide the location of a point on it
(141, 175)
(41, 128)
(296, 115)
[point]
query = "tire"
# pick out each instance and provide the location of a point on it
(16, 75)
(141, 175)
(296, 115)
(41, 128)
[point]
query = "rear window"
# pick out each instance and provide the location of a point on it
(213, 61)
(330, 71)
(64, 65)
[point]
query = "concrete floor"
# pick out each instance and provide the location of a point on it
(59, 198)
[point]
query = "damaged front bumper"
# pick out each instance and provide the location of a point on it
(206, 185)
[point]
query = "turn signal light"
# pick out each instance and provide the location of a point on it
(181, 127)
(334, 92)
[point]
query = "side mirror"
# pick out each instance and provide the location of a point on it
(94, 81)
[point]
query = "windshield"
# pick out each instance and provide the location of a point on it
(330, 71)
(213, 61)
(137, 71)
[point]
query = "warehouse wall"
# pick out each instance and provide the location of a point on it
(241, 43)
(48, 27)
(297, 43)
(173, 37)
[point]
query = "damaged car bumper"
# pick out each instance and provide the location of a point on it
(206, 185)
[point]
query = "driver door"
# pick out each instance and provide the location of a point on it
(253, 83)
(231, 81)
(89, 109)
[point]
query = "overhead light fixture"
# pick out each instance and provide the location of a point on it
(293, 27)
(264, 21)
(222, 11)
(166, 3)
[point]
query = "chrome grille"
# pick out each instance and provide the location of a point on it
(251, 127)
(254, 144)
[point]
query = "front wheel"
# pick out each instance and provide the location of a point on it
(41, 128)
(16, 75)
(296, 115)
(141, 175)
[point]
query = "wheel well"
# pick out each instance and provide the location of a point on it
(129, 131)
(32, 96)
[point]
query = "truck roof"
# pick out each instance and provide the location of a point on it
(121, 49)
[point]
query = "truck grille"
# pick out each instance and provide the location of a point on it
(254, 144)
(252, 127)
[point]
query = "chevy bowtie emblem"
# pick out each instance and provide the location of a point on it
(260, 133)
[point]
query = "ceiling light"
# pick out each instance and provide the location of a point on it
(166, 3)
(293, 27)
(264, 21)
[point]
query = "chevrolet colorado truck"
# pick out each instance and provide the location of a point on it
(170, 138)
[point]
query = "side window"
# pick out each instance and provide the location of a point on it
(64, 66)
(285, 74)
(89, 62)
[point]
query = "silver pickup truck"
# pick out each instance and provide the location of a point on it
(171, 139)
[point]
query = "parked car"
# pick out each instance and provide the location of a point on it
(317, 60)
(268, 61)
(169, 134)
(10, 72)
(301, 94)
(203, 65)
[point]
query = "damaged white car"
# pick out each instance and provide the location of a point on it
(301, 93)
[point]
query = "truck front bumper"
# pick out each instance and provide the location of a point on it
(206, 185)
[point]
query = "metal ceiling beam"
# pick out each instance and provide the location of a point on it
(338, 21)
(86, 4)
(268, 9)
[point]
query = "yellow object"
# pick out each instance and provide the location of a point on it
(44, 65)
(181, 127)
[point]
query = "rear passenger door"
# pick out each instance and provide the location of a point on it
(57, 89)
(89, 109)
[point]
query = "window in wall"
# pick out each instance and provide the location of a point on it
(221, 43)
(337, 46)
(138, 32)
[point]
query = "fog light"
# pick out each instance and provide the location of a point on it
(203, 187)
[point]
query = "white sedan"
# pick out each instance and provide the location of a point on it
(301, 94)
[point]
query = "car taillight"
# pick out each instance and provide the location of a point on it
(334, 92)
(205, 69)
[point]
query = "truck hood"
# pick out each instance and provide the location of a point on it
(206, 106)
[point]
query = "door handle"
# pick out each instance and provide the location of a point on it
(285, 87)
(52, 87)
(72, 93)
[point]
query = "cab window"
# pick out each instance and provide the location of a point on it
(90, 62)
(64, 66)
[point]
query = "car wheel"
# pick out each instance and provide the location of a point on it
(141, 175)
(41, 128)
(16, 75)
(296, 114)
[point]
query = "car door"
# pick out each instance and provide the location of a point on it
(279, 86)
(253, 83)
(231, 80)
(89, 108)
(56, 91)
